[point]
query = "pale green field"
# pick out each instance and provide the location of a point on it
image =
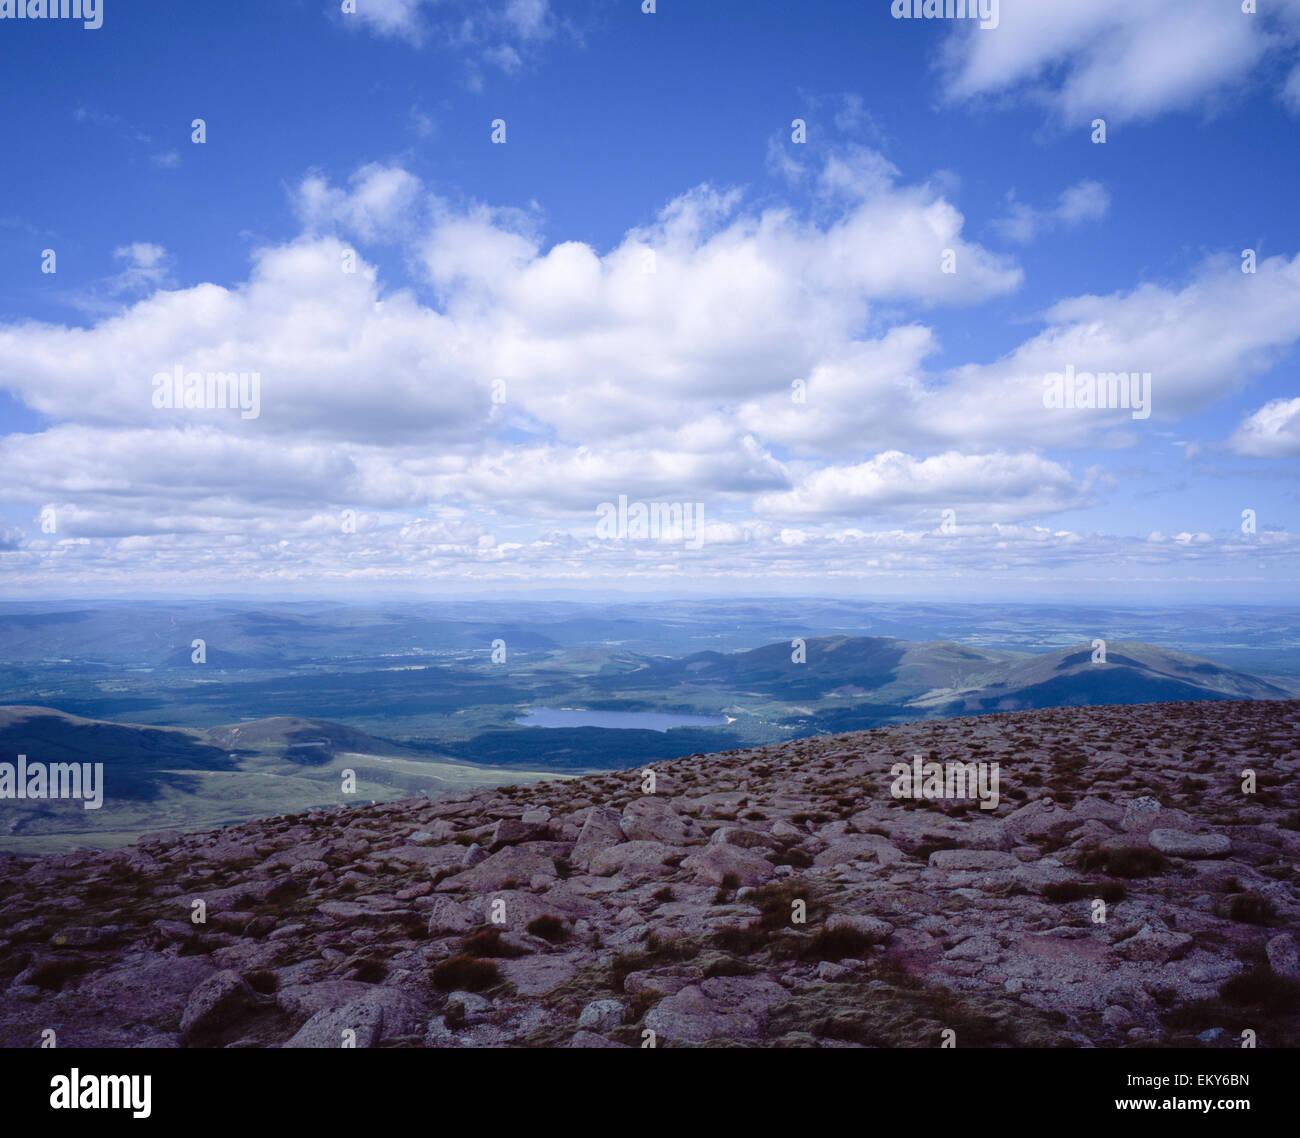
(266, 787)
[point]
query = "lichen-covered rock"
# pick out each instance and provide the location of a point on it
(873, 929)
(591, 1039)
(216, 1004)
(1179, 843)
(1284, 955)
(633, 859)
(651, 818)
(379, 1014)
(511, 864)
(601, 1015)
(1154, 943)
(600, 831)
(972, 859)
(716, 864)
(449, 916)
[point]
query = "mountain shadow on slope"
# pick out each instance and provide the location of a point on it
(138, 761)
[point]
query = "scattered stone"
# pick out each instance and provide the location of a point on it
(216, 1004)
(715, 864)
(537, 975)
(873, 928)
(1179, 843)
(972, 859)
(1154, 943)
(1284, 955)
(1117, 1018)
(510, 864)
(87, 937)
(590, 1039)
(653, 819)
(600, 831)
(448, 916)
(379, 1014)
(633, 859)
(601, 1015)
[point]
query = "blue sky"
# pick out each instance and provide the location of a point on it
(453, 413)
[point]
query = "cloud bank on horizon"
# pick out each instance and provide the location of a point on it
(965, 339)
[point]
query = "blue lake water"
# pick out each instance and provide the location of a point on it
(646, 720)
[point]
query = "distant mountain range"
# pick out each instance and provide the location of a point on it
(178, 777)
(944, 678)
(157, 634)
(1131, 673)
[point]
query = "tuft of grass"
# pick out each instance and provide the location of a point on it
(1124, 861)
(486, 942)
(741, 941)
(635, 1009)
(727, 966)
(1112, 892)
(549, 927)
(793, 856)
(836, 944)
(465, 973)
(369, 970)
(677, 949)
(1248, 908)
(896, 1010)
(730, 883)
(51, 975)
(925, 849)
(775, 902)
(623, 965)
(1261, 987)
(656, 951)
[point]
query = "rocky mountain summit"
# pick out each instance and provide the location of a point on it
(1136, 885)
